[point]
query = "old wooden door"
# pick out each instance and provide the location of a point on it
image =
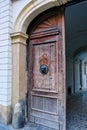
(46, 100)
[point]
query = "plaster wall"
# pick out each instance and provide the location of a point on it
(18, 6)
(73, 75)
(5, 60)
(84, 74)
(5, 52)
(77, 76)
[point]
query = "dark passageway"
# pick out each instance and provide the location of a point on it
(76, 66)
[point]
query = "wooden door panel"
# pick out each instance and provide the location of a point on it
(45, 82)
(46, 90)
(44, 104)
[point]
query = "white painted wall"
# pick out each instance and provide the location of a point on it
(5, 52)
(77, 75)
(84, 83)
(18, 6)
(73, 75)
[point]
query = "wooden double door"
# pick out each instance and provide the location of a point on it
(46, 71)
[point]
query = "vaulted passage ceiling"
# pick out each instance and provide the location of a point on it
(76, 28)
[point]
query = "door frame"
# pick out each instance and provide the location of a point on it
(62, 91)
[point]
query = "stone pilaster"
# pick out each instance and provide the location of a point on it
(18, 66)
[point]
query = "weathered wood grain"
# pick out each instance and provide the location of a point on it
(45, 91)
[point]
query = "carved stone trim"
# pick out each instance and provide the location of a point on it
(19, 38)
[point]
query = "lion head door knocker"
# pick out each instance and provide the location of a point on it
(44, 64)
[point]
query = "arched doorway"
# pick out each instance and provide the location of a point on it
(19, 42)
(46, 69)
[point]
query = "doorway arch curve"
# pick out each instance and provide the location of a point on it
(31, 10)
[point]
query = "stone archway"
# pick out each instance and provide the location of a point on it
(31, 10)
(19, 38)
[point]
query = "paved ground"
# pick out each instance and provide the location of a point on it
(77, 112)
(28, 126)
(76, 115)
